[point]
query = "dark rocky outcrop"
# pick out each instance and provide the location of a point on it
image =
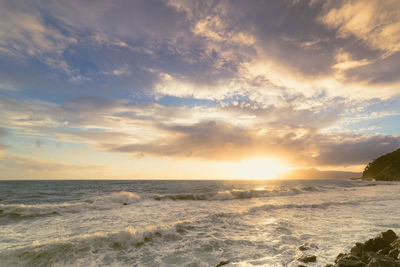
(380, 251)
(384, 168)
(307, 258)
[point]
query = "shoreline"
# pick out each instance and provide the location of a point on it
(380, 251)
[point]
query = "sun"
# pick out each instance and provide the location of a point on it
(259, 169)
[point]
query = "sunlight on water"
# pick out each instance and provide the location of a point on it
(189, 223)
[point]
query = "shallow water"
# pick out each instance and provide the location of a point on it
(188, 223)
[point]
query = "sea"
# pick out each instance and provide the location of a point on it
(189, 223)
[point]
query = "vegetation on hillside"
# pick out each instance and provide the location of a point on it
(384, 168)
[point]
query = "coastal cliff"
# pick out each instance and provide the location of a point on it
(384, 168)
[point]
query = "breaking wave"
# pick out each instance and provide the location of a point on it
(97, 247)
(322, 205)
(25, 211)
(238, 194)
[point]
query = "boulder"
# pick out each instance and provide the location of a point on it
(375, 244)
(358, 249)
(396, 243)
(381, 261)
(304, 247)
(307, 258)
(349, 263)
(384, 251)
(381, 251)
(389, 236)
(394, 253)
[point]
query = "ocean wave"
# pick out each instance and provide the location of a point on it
(322, 205)
(26, 211)
(96, 247)
(238, 194)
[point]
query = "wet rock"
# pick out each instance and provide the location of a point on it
(389, 236)
(358, 249)
(307, 258)
(304, 247)
(375, 244)
(396, 243)
(394, 253)
(349, 263)
(384, 251)
(382, 261)
(222, 263)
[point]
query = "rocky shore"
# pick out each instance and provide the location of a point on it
(380, 251)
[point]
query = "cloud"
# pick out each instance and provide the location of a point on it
(213, 81)
(3, 147)
(25, 35)
(294, 132)
(375, 22)
(216, 141)
(3, 132)
(118, 72)
(346, 62)
(26, 167)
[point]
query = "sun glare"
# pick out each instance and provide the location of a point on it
(259, 169)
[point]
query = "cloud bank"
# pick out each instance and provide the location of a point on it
(310, 83)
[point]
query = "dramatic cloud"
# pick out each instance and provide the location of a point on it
(375, 22)
(311, 83)
(210, 140)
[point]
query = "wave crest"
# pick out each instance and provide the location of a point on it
(237, 194)
(25, 211)
(96, 247)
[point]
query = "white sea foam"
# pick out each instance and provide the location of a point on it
(69, 251)
(245, 224)
(223, 195)
(238, 194)
(110, 201)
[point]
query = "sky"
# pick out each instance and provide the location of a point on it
(178, 89)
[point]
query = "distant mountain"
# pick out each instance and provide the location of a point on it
(305, 174)
(384, 168)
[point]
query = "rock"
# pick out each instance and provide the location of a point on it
(384, 251)
(349, 263)
(329, 265)
(381, 261)
(396, 243)
(307, 258)
(358, 249)
(389, 236)
(394, 253)
(304, 247)
(222, 263)
(375, 244)
(339, 256)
